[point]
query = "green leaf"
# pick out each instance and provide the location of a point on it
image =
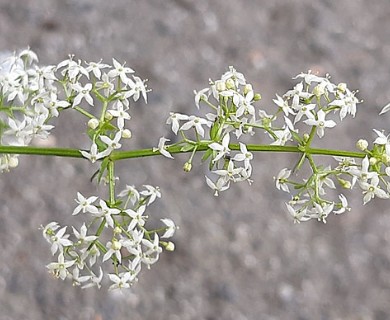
(187, 147)
(207, 154)
(103, 168)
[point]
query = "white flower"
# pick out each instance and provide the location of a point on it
(120, 281)
(120, 71)
(282, 178)
(137, 217)
(137, 88)
(94, 280)
(383, 140)
(322, 211)
(75, 276)
(94, 155)
(85, 205)
(362, 174)
(230, 172)
(297, 94)
(233, 74)
(304, 109)
(131, 192)
(152, 251)
(171, 228)
(60, 240)
(59, 269)
(96, 67)
(49, 229)
(370, 190)
(82, 93)
(106, 213)
(244, 104)
(219, 186)
(114, 248)
(201, 95)
(120, 113)
(344, 205)
(112, 143)
(283, 105)
(82, 235)
(298, 215)
(196, 122)
(245, 156)
(174, 119)
(320, 123)
(161, 147)
(282, 136)
(221, 148)
(152, 193)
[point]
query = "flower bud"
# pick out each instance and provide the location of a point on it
(117, 230)
(187, 167)
(386, 159)
(108, 116)
(126, 134)
(13, 162)
(116, 245)
(220, 86)
(230, 84)
(247, 88)
(170, 246)
(318, 90)
(373, 161)
(93, 123)
(344, 183)
(306, 137)
(257, 97)
(362, 144)
(342, 87)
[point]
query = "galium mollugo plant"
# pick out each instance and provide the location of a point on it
(115, 239)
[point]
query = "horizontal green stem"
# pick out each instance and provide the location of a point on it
(60, 152)
(120, 155)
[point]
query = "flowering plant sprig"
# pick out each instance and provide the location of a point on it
(115, 240)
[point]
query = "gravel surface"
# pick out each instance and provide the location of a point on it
(238, 256)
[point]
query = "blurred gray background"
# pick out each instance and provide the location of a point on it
(238, 256)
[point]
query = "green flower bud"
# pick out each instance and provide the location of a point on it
(344, 183)
(257, 97)
(187, 167)
(117, 230)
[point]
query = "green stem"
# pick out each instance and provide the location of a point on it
(202, 146)
(111, 182)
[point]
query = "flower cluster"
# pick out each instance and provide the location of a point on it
(28, 100)
(231, 100)
(115, 242)
(111, 87)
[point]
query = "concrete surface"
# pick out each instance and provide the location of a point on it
(238, 256)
